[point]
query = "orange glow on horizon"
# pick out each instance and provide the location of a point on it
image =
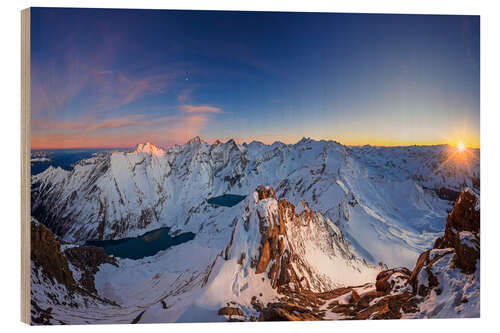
(69, 142)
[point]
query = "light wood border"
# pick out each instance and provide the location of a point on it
(25, 167)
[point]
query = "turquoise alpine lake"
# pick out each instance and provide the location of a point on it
(142, 246)
(228, 200)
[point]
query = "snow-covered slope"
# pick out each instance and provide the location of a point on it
(389, 202)
(269, 246)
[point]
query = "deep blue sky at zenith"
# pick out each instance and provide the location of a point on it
(103, 78)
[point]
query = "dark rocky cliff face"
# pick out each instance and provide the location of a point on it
(52, 280)
(88, 259)
(462, 231)
(46, 255)
(396, 292)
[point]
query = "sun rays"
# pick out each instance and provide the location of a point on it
(460, 156)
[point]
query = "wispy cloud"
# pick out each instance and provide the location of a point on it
(166, 131)
(85, 124)
(130, 89)
(200, 109)
(77, 82)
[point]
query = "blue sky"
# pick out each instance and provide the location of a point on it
(113, 78)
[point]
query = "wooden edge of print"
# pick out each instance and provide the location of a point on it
(25, 167)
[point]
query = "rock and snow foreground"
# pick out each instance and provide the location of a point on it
(278, 264)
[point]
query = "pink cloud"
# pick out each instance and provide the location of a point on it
(53, 90)
(200, 109)
(166, 131)
(120, 123)
(85, 124)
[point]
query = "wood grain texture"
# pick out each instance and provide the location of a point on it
(25, 166)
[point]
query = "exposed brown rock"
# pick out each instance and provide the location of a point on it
(272, 246)
(421, 261)
(265, 257)
(284, 311)
(463, 217)
(384, 283)
(46, 253)
(467, 253)
(368, 297)
(389, 307)
(354, 297)
(462, 231)
(256, 304)
(88, 259)
(265, 192)
(230, 311)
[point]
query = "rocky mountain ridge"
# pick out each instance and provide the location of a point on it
(443, 284)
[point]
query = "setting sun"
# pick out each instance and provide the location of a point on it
(461, 147)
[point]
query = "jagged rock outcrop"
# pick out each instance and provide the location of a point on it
(462, 231)
(264, 192)
(46, 255)
(443, 283)
(463, 217)
(230, 311)
(53, 282)
(392, 280)
(288, 241)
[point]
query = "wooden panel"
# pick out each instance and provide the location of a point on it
(25, 166)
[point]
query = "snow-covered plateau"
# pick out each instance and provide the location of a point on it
(318, 218)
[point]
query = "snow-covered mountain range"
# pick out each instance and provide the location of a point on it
(390, 203)
(318, 218)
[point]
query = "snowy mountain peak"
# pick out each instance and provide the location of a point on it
(149, 148)
(195, 140)
(304, 140)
